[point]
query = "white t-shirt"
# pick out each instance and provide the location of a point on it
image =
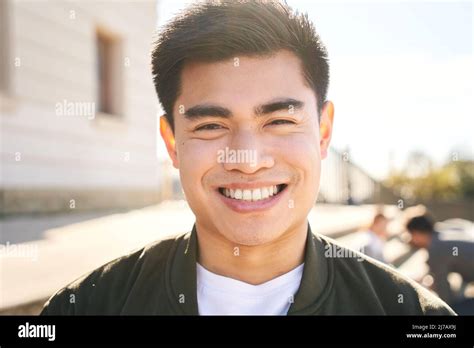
(219, 295)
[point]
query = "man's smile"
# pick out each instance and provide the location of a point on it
(251, 197)
(249, 194)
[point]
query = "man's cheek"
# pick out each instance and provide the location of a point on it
(195, 160)
(302, 153)
(304, 157)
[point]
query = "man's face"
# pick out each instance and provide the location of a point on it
(420, 239)
(248, 146)
(380, 227)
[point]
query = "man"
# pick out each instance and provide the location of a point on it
(243, 86)
(377, 235)
(446, 255)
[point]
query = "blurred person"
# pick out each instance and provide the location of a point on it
(235, 77)
(446, 255)
(377, 235)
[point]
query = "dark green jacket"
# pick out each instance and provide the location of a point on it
(161, 279)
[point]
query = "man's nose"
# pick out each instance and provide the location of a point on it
(247, 153)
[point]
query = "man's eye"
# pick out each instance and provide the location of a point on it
(280, 121)
(211, 126)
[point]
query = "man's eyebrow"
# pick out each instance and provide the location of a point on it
(211, 110)
(278, 105)
(205, 110)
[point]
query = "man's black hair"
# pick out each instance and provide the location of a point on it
(218, 30)
(423, 223)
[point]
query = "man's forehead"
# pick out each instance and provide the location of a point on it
(245, 77)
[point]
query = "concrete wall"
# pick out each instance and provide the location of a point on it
(47, 155)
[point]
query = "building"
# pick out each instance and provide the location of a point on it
(78, 106)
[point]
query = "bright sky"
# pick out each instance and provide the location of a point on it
(402, 76)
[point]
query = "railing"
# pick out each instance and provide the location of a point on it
(345, 183)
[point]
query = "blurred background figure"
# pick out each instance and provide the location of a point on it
(376, 237)
(448, 252)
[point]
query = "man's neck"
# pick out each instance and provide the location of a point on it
(251, 264)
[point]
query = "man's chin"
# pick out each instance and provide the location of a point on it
(249, 234)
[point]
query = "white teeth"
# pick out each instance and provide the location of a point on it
(247, 195)
(256, 195)
(251, 195)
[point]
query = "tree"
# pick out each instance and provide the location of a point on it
(421, 181)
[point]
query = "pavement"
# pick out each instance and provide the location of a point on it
(32, 270)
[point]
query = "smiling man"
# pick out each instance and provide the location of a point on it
(249, 77)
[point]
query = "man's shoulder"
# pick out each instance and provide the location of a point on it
(105, 289)
(374, 283)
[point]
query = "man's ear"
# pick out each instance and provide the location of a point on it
(325, 128)
(168, 137)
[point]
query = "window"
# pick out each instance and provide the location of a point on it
(109, 73)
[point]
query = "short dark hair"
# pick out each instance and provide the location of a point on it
(217, 30)
(423, 223)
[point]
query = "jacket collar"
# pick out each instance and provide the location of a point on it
(181, 281)
(317, 279)
(181, 275)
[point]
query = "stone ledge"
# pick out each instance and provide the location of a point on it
(30, 200)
